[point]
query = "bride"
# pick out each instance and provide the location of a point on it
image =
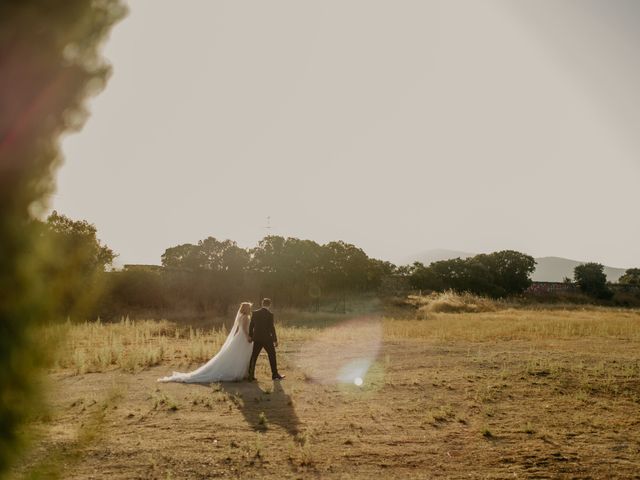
(231, 363)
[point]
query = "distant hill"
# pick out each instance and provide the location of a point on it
(554, 269)
(548, 269)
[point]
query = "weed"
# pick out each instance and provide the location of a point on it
(262, 419)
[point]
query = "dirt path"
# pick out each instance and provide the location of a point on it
(426, 410)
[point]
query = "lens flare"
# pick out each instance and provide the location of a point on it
(342, 354)
(354, 370)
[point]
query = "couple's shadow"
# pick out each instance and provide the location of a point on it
(262, 408)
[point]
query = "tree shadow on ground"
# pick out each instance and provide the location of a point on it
(263, 408)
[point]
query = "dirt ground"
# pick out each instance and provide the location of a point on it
(426, 409)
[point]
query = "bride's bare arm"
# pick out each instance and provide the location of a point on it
(244, 324)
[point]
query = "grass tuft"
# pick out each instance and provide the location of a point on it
(486, 433)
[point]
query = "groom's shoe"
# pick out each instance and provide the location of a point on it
(279, 377)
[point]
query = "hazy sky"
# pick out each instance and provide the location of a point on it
(400, 126)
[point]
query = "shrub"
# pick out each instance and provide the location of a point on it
(592, 280)
(452, 302)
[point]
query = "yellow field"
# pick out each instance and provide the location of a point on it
(498, 394)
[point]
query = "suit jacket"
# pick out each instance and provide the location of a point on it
(261, 327)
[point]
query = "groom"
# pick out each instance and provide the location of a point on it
(263, 335)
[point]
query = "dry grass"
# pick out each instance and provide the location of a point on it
(499, 394)
(132, 346)
(129, 345)
(452, 302)
(512, 324)
(98, 347)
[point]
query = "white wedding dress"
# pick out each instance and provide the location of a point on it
(230, 364)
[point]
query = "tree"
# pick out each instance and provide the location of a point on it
(50, 65)
(209, 254)
(301, 267)
(631, 277)
(75, 263)
(185, 256)
(461, 275)
(267, 256)
(268, 263)
(496, 274)
(289, 266)
(222, 256)
(512, 271)
(344, 267)
(378, 271)
(78, 238)
(592, 280)
(423, 278)
(209, 274)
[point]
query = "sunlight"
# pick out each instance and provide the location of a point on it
(343, 354)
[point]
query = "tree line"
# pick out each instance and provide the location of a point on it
(497, 274)
(213, 275)
(592, 280)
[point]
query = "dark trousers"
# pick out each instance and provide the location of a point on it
(271, 351)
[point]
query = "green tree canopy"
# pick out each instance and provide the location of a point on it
(631, 277)
(592, 280)
(378, 271)
(422, 277)
(291, 269)
(496, 274)
(511, 271)
(181, 256)
(209, 254)
(223, 256)
(77, 240)
(345, 267)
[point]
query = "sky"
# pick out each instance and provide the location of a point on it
(397, 126)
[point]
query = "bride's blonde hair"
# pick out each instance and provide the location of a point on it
(245, 308)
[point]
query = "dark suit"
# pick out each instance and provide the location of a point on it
(263, 333)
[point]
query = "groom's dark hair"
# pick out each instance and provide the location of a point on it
(266, 302)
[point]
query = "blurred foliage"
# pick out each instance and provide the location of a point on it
(49, 65)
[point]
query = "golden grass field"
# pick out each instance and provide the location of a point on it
(499, 394)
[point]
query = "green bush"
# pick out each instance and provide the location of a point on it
(592, 280)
